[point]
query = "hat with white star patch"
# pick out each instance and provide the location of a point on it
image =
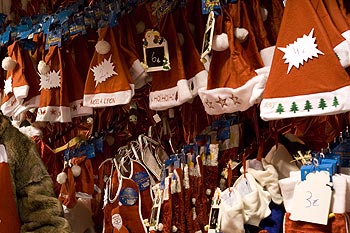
(108, 81)
(54, 102)
(306, 77)
(233, 85)
(19, 96)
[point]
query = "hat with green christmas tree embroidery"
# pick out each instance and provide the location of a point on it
(306, 77)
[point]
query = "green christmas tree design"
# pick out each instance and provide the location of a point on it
(322, 104)
(280, 108)
(294, 108)
(335, 101)
(307, 106)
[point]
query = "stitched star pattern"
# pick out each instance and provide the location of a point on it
(222, 102)
(209, 103)
(234, 99)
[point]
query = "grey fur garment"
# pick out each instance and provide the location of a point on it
(38, 208)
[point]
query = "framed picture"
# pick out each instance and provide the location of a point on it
(208, 36)
(155, 52)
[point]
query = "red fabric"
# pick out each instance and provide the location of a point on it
(67, 193)
(336, 224)
(178, 205)
(10, 222)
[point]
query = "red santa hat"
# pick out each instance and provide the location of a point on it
(337, 18)
(339, 44)
(195, 72)
(128, 47)
(33, 98)
(54, 102)
(169, 88)
(233, 85)
(16, 85)
(108, 82)
(306, 78)
(75, 81)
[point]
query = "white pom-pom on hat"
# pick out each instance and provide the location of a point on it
(181, 38)
(140, 27)
(241, 34)
(8, 63)
(174, 229)
(43, 68)
(208, 192)
(220, 42)
(264, 13)
(193, 201)
(103, 47)
(160, 227)
(76, 170)
(61, 178)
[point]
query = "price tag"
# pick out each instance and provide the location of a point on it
(155, 52)
(156, 118)
(208, 36)
(312, 199)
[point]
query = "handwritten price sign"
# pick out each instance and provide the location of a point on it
(312, 199)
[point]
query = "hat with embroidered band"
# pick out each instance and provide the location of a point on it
(108, 81)
(306, 77)
(233, 85)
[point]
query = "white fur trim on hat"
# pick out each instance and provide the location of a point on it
(25, 106)
(346, 35)
(333, 102)
(3, 154)
(30, 131)
(228, 100)
(171, 97)
(8, 64)
(109, 99)
(43, 68)
(78, 109)
(256, 203)
(280, 158)
(200, 80)
(102, 47)
(267, 55)
(21, 92)
(220, 42)
(9, 107)
(241, 34)
(231, 212)
(342, 51)
(347, 204)
(54, 114)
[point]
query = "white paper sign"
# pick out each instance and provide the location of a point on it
(312, 199)
(50, 80)
(303, 49)
(104, 70)
(8, 85)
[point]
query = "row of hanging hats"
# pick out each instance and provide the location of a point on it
(290, 79)
(62, 84)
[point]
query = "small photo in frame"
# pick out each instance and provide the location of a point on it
(155, 52)
(208, 36)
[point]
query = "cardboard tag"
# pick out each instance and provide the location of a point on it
(312, 199)
(157, 118)
(208, 36)
(243, 186)
(155, 52)
(155, 212)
